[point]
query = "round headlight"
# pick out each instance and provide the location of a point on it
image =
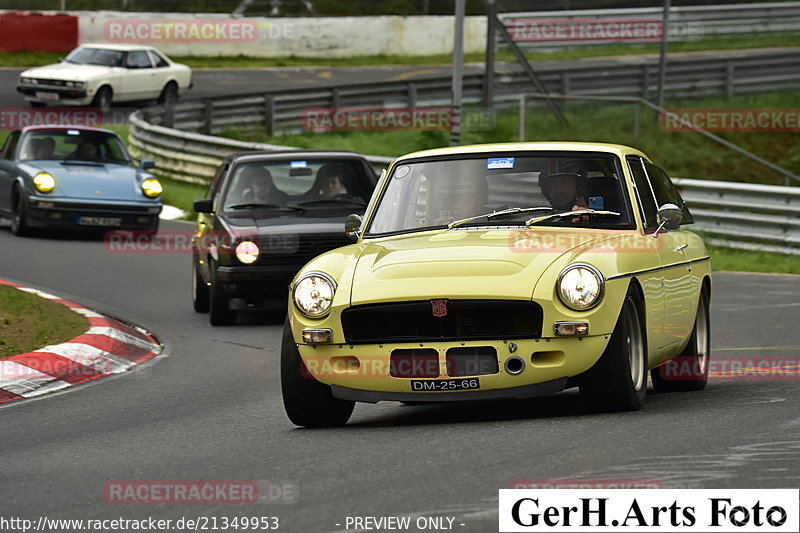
(44, 182)
(313, 294)
(580, 286)
(151, 187)
(247, 252)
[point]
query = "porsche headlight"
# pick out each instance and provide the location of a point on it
(247, 252)
(580, 286)
(44, 182)
(313, 294)
(151, 187)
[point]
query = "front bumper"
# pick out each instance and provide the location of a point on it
(47, 212)
(55, 95)
(256, 288)
(364, 371)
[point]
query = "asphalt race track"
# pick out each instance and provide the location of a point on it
(210, 409)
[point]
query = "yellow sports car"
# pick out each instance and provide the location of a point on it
(503, 271)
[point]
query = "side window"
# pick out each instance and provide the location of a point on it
(138, 59)
(10, 146)
(157, 60)
(665, 190)
(644, 192)
(216, 181)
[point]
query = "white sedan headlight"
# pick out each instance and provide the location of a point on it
(580, 286)
(313, 294)
(247, 252)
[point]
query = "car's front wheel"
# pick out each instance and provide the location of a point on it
(688, 371)
(219, 311)
(19, 218)
(103, 98)
(200, 292)
(618, 381)
(308, 402)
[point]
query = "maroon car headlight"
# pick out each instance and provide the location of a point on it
(580, 286)
(313, 294)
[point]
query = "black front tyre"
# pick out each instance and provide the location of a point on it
(308, 402)
(618, 381)
(19, 218)
(220, 314)
(688, 371)
(103, 98)
(200, 291)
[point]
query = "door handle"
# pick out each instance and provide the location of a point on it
(681, 248)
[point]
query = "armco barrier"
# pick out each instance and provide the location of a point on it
(36, 32)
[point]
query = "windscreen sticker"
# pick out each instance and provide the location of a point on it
(298, 164)
(500, 162)
(73, 132)
(402, 172)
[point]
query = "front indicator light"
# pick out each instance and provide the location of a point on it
(44, 182)
(313, 294)
(573, 329)
(151, 187)
(247, 252)
(314, 336)
(580, 286)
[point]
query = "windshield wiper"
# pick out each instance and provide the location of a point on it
(565, 214)
(253, 205)
(493, 214)
(333, 201)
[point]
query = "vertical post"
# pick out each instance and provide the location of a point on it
(522, 118)
(208, 117)
(412, 94)
(491, 43)
(729, 89)
(637, 117)
(662, 75)
(269, 114)
(458, 73)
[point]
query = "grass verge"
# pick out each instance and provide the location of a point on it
(29, 322)
(30, 59)
(731, 260)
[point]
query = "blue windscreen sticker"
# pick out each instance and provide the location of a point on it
(500, 162)
(298, 164)
(596, 202)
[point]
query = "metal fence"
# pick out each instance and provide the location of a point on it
(745, 216)
(686, 23)
(689, 75)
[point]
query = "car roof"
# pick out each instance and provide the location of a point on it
(265, 155)
(122, 47)
(521, 147)
(64, 127)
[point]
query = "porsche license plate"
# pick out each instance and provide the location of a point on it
(433, 385)
(99, 221)
(46, 96)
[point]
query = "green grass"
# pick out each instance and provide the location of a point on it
(731, 260)
(682, 154)
(27, 59)
(29, 322)
(181, 194)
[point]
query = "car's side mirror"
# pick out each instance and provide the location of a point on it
(147, 164)
(352, 226)
(669, 217)
(204, 205)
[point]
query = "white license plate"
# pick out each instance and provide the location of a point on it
(99, 221)
(46, 96)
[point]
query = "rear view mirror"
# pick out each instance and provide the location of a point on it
(204, 205)
(147, 164)
(352, 226)
(302, 171)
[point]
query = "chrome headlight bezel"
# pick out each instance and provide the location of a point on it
(300, 284)
(247, 252)
(564, 298)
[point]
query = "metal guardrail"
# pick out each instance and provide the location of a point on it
(745, 216)
(687, 23)
(689, 75)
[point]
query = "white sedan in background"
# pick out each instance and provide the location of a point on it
(99, 74)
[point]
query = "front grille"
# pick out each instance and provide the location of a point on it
(465, 320)
(414, 363)
(297, 250)
(472, 361)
